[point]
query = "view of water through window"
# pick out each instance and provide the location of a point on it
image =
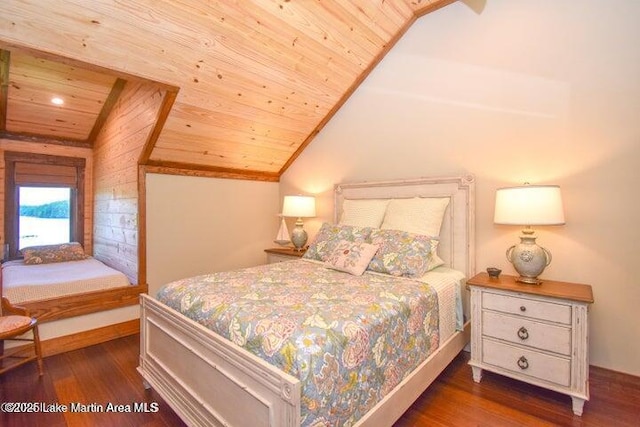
(44, 216)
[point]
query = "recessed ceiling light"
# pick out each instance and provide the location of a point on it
(57, 101)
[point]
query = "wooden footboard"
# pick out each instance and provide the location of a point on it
(208, 380)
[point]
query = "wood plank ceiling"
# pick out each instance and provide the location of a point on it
(257, 79)
(30, 109)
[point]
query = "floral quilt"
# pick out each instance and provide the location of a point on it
(349, 339)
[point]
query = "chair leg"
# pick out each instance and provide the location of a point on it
(36, 344)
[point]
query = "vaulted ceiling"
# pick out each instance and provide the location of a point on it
(255, 80)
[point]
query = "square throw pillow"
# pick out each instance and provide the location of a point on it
(47, 254)
(351, 257)
(363, 213)
(419, 215)
(404, 254)
(330, 235)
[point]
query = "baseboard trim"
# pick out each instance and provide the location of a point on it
(83, 339)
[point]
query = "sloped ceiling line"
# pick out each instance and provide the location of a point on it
(169, 98)
(108, 105)
(258, 79)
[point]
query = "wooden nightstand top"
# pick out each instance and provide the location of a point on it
(548, 288)
(288, 251)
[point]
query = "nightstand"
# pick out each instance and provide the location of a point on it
(533, 333)
(283, 254)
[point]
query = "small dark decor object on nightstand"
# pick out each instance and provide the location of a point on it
(494, 272)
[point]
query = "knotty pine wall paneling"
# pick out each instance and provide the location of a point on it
(116, 200)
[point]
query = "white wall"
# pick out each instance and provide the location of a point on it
(541, 91)
(202, 225)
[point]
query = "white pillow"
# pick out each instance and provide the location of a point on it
(419, 215)
(364, 212)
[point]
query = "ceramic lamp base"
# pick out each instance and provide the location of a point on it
(528, 258)
(299, 236)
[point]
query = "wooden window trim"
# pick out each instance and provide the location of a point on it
(11, 195)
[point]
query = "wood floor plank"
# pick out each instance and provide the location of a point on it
(456, 400)
(106, 373)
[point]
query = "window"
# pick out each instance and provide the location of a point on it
(44, 200)
(44, 216)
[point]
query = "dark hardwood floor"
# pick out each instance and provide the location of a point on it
(106, 373)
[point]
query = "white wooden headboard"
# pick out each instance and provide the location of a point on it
(457, 235)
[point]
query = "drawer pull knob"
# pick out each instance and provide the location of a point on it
(523, 334)
(523, 308)
(523, 363)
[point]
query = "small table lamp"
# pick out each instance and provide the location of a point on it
(529, 205)
(300, 207)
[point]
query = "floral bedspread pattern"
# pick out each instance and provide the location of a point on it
(349, 339)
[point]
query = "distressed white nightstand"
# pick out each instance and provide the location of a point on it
(533, 333)
(283, 254)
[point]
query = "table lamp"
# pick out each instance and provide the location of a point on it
(529, 205)
(299, 207)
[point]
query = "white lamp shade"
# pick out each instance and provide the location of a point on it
(299, 206)
(529, 205)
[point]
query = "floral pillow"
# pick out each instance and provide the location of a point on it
(404, 254)
(53, 253)
(330, 235)
(351, 257)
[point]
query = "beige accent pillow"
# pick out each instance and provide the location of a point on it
(363, 213)
(47, 254)
(419, 215)
(351, 257)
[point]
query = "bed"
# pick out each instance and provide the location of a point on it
(226, 370)
(50, 288)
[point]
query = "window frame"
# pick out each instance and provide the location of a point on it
(12, 237)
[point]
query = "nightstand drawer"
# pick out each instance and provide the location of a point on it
(527, 332)
(520, 361)
(527, 307)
